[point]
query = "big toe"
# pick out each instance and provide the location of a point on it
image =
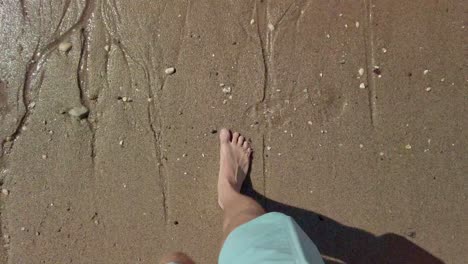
(224, 135)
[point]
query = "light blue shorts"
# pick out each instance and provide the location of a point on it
(271, 238)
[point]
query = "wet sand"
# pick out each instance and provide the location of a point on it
(356, 110)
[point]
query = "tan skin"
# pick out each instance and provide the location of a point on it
(235, 157)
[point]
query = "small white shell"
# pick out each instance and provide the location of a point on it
(65, 46)
(170, 70)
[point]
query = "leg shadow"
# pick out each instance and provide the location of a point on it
(344, 244)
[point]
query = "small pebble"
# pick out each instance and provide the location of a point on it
(227, 90)
(127, 99)
(361, 145)
(309, 122)
(44, 156)
(384, 50)
(425, 72)
(408, 146)
(65, 46)
(170, 70)
(362, 86)
(79, 112)
(357, 24)
(442, 80)
(271, 27)
(268, 148)
(107, 48)
(428, 89)
(361, 71)
(121, 143)
(23, 228)
(328, 35)
(252, 21)
(321, 75)
(377, 70)
(5, 192)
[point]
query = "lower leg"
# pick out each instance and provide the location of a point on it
(241, 210)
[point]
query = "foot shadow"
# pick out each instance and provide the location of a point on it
(344, 244)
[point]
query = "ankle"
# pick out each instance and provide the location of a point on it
(228, 185)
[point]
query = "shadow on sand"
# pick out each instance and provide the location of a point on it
(344, 244)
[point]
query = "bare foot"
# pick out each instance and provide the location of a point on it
(234, 163)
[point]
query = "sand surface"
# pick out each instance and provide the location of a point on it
(357, 111)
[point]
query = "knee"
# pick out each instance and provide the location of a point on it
(177, 257)
(238, 218)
